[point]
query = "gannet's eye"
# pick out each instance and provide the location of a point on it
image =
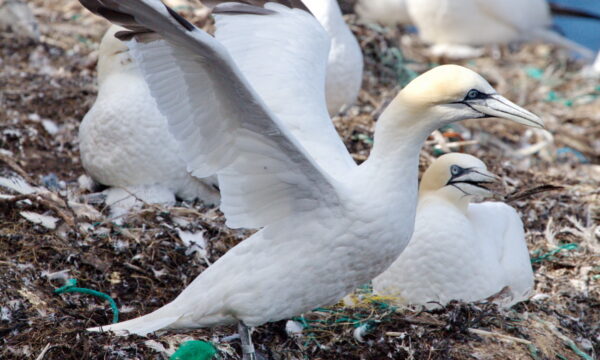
(455, 170)
(473, 94)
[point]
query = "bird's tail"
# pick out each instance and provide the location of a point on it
(555, 38)
(159, 319)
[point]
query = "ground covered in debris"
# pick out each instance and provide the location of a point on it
(46, 88)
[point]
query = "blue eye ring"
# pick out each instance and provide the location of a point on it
(455, 170)
(473, 94)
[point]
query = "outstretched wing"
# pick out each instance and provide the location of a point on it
(222, 124)
(284, 57)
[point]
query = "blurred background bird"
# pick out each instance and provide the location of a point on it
(457, 28)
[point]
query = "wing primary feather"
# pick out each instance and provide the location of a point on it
(183, 22)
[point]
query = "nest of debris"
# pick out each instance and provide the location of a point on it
(51, 234)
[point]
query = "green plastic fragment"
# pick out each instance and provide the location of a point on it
(534, 73)
(534, 352)
(71, 287)
(551, 253)
(194, 350)
(576, 350)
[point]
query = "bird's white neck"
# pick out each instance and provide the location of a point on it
(327, 12)
(392, 168)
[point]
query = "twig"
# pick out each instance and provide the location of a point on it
(519, 195)
(39, 198)
(15, 167)
(43, 353)
(499, 336)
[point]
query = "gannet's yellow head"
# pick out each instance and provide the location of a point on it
(113, 54)
(451, 93)
(457, 177)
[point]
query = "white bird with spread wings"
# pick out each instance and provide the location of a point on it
(328, 225)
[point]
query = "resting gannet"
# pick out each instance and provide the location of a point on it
(124, 140)
(454, 25)
(328, 225)
(384, 12)
(459, 250)
(345, 63)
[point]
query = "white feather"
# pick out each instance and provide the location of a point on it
(483, 22)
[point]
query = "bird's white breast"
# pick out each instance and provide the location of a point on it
(125, 141)
(444, 260)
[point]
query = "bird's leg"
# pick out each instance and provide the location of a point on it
(246, 338)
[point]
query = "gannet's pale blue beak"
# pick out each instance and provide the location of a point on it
(496, 105)
(473, 181)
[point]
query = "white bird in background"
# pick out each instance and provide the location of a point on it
(345, 63)
(16, 17)
(124, 140)
(459, 250)
(328, 225)
(384, 12)
(453, 26)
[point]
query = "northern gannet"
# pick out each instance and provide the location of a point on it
(345, 63)
(384, 12)
(124, 140)
(16, 16)
(459, 250)
(328, 225)
(454, 25)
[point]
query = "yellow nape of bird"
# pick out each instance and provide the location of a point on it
(459, 250)
(327, 224)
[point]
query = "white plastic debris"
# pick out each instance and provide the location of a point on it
(57, 275)
(49, 222)
(17, 184)
(158, 347)
(361, 331)
(50, 126)
(540, 297)
(293, 328)
(195, 243)
(85, 182)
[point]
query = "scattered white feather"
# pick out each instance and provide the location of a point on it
(17, 184)
(49, 222)
(62, 275)
(50, 126)
(293, 328)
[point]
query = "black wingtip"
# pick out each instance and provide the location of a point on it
(567, 11)
(183, 22)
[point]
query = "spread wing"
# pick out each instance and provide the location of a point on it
(222, 124)
(284, 57)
